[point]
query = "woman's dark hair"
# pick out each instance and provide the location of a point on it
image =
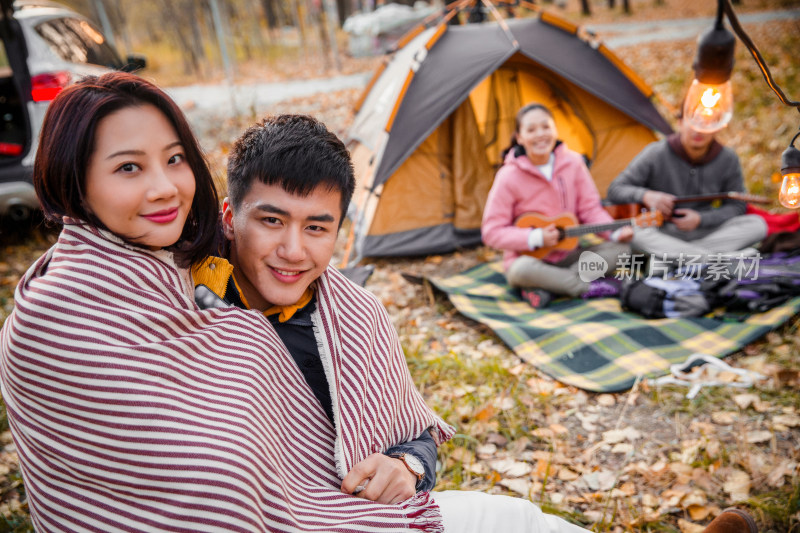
(524, 110)
(67, 141)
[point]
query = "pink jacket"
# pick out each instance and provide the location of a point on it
(519, 187)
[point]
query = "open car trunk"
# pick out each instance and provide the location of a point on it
(15, 91)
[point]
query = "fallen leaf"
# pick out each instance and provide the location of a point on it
(565, 474)
(478, 469)
(486, 413)
(700, 512)
(787, 377)
(629, 488)
(723, 418)
(745, 400)
(790, 420)
(737, 485)
(558, 429)
(756, 437)
(497, 439)
(694, 498)
(485, 451)
(520, 486)
(463, 390)
(689, 527)
(504, 403)
(601, 480)
(650, 500)
(543, 433)
(672, 497)
(541, 386)
(606, 400)
(619, 435)
(588, 421)
(510, 467)
(622, 447)
(776, 475)
(462, 455)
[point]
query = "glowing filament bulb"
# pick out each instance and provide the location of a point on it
(790, 191)
(708, 108)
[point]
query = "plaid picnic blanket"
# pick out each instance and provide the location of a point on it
(594, 344)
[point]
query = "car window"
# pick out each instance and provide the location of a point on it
(78, 41)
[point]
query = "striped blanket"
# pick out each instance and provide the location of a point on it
(133, 410)
(593, 344)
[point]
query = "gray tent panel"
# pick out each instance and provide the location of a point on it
(424, 241)
(577, 61)
(462, 58)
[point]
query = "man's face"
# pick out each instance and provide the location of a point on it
(281, 242)
(694, 142)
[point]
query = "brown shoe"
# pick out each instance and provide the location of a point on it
(732, 521)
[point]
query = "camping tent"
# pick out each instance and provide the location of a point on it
(427, 137)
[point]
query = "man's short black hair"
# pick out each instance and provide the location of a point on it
(296, 152)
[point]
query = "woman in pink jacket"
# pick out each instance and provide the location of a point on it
(541, 175)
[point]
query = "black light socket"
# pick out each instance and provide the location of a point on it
(790, 161)
(714, 61)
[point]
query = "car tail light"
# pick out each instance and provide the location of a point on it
(10, 149)
(45, 87)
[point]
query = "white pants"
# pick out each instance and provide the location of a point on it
(478, 512)
(732, 235)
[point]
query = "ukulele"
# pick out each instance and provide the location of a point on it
(620, 211)
(569, 230)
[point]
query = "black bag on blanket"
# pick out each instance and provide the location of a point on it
(776, 281)
(665, 298)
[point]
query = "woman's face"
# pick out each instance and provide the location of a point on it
(139, 183)
(537, 134)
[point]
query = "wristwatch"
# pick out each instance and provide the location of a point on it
(413, 464)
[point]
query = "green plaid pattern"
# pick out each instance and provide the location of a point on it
(594, 344)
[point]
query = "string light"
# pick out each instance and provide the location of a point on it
(708, 106)
(789, 195)
(713, 68)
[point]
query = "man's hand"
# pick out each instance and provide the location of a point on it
(662, 201)
(625, 234)
(389, 481)
(549, 236)
(686, 219)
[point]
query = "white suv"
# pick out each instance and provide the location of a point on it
(45, 47)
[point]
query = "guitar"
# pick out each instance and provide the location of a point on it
(620, 211)
(569, 230)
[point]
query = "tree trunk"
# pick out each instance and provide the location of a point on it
(299, 23)
(191, 63)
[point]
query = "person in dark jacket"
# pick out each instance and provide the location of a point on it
(689, 163)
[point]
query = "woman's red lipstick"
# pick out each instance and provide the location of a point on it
(162, 217)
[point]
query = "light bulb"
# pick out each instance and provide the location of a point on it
(708, 107)
(790, 191)
(790, 168)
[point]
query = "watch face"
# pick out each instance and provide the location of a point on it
(414, 464)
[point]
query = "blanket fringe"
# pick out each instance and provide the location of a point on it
(424, 513)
